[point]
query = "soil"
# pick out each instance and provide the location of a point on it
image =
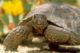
(30, 48)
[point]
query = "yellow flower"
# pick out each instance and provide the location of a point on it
(7, 6)
(39, 2)
(17, 7)
(14, 7)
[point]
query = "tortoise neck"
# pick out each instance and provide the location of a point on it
(37, 33)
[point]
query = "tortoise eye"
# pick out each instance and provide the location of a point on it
(38, 18)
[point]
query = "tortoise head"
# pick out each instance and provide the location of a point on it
(39, 22)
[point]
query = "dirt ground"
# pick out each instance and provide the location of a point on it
(30, 48)
(24, 49)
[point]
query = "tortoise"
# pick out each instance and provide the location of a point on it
(57, 23)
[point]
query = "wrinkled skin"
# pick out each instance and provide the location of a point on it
(59, 24)
(26, 31)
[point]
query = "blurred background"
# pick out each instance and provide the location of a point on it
(12, 11)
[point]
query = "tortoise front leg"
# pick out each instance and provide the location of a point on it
(15, 37)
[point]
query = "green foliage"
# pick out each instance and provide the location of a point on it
(16, 20)
(27, 6)
(5, 19)
(70, 1)
(62, 1)
(1, 27)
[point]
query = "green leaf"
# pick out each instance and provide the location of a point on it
(5, 19)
